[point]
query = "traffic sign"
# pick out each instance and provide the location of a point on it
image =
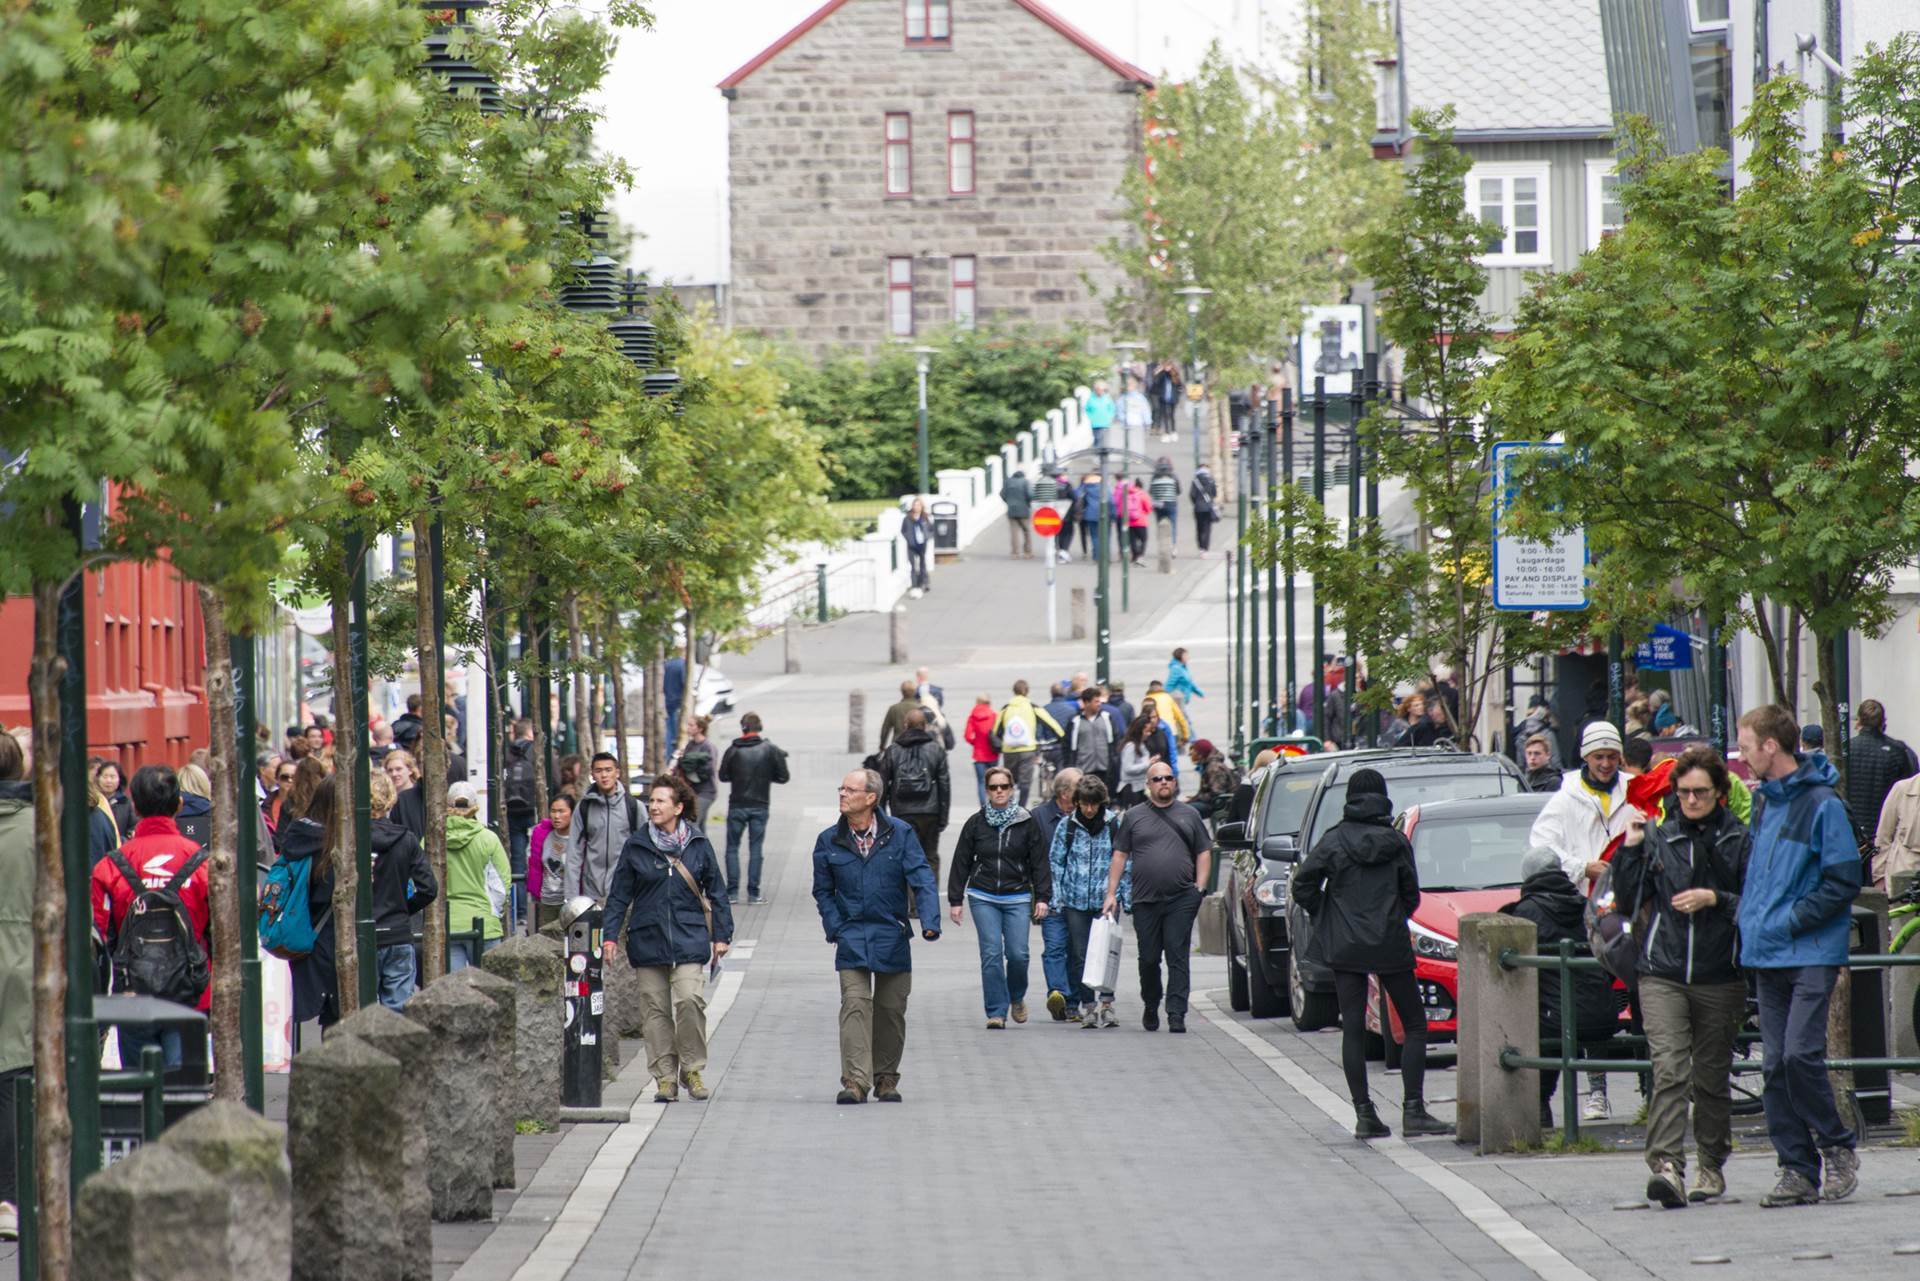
(1046, 522)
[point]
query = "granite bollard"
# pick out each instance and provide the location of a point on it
(536, 969)
(463, 1106)
(500, 992)
(247, 1155)
(156, 1216)
(343, 1114)
(411, 1045)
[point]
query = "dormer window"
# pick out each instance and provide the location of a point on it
(929, 23)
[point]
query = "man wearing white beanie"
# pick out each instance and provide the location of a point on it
(1578, 823)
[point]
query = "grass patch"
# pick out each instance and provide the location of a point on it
(863, 511)
(1908, 1119)
(1556, 1144)
(529, 1125)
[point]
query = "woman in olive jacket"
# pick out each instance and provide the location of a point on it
(1359, 886)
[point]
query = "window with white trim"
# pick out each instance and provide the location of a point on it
(1513, 197)
(900, 297)
(960, 153)
(929, 22)
(1604, 214)
(962, 275)
(899, 154)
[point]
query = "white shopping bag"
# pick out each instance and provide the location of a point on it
(1102, 970)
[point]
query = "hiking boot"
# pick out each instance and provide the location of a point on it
(1596, 1107)
(695, 1086)
(1176, 1023)
(1842, 1173)
(1150, 1018)
(666, 1091)
(1106, 1017)
(1708, 1183)
(1057, 1006)
(1666, 1187)
(852, 1094)
(1415, 1119)
(996, 1025)
(886, 1089)
(1019, 1011)
(1794, 1188)
(1367, 1123)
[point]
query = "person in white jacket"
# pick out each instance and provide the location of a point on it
(1577, 823)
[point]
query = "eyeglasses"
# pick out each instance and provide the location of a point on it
(1693, 793)
(852, 791)
(999, 787)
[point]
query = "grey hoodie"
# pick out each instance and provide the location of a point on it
(601, 826)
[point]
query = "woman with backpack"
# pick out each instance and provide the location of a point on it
(1080, 858)
(669, 900)
(696, 764)
(1000, 872)
(305, 837)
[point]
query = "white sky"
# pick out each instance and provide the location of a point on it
(679, 197)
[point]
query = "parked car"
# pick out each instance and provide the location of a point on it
(1468, 856)
(1415, 776)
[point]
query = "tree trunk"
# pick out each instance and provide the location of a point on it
(433, 751)
(687, 690)
(1840, 1007)
(578, 685)
(1826, 688)
(615, 655)
(1794, 626)
(223, 889)
(1771, 643)
(346, 932)
(656, 710)
(496, 745)
(52, 1127)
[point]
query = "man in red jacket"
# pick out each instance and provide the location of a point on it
(156, 851)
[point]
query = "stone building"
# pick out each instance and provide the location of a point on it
(900, 165)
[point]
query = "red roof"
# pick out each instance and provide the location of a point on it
(1118, 65)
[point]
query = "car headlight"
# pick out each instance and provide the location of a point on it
(1435, 947)
(1271, 893)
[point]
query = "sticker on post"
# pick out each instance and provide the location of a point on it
(589, 1038)
(567, 1021)
(596, 1004)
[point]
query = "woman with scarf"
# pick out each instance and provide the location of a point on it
(1081, 854)
(1000, 873)
(669, 897)
(917, 531)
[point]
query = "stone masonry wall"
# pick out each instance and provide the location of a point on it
(1055, 131)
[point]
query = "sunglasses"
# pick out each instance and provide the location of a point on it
(1693, 793)
(999, 787)
(287, 777)
(1159, 778)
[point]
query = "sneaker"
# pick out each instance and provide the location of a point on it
(1794, 1188)
(1596, 1108)
(1057, 1006)
(1106, 1016)
(665, 1091)
(1666, 1187)
(1076, 1015)
(996, 1025)
(886, 1089)
(757, 900)
(695, 1086)
(852, 1094)
(1842, 1173)
(1708, 1183)
(9, 1222)
(1150, 1018)
(1089, 1017)
(1019, 1011)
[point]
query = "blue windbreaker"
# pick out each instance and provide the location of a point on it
(1803, 873)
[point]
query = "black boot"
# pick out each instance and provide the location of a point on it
(1415, 1119)
(1367, 1123)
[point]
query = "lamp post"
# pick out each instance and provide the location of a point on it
(1193, 294)
(1103, 626)
(1124, 352)
(922, 361)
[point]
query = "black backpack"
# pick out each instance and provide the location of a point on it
(156, 952)
(517, 774)
(912, 780)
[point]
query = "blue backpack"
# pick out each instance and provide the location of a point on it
(288, 929)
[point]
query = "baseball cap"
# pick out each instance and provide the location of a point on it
(463, 796)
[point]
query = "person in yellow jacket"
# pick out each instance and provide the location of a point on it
(1170, 711)
(1016, 732)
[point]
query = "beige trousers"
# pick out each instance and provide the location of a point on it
(673, 1018)
(873, 1026)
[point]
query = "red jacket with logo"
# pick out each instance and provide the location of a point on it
(156, 852)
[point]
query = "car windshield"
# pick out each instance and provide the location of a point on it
(1415, 789)
(1287, 802)
(1471, 852)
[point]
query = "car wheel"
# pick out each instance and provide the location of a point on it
(1391, 1050)
(1237, 967)
(1311, 1010)
(1264, 999)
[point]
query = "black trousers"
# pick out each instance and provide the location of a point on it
(1137, 535)
(1165, 928)
(1203, 531)
(926, 829)
(1405, 995)
(9, 1175)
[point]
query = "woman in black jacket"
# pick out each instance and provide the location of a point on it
(402, 885)
(1685, 875)
(1359, 886)
(1000, 871)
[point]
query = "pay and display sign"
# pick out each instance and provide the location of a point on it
(1529, 575)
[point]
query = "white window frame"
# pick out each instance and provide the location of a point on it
(1507, 171)
(963, 277)
(1597, 172)
(1700, 25)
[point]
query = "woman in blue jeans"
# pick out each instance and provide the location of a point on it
(1000, 874)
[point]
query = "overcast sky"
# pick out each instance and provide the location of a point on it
(665, 117)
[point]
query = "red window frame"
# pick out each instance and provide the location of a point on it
(962, 272)
(899, 289)
(904, 143)
(935, 21)
(959, 144)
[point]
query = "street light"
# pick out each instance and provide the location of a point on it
(921, 363)
(1125, 350)
(1193, 294)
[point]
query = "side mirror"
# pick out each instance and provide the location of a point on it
(1232, 836)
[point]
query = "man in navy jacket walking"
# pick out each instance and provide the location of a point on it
(1802, 876)
(862, 866)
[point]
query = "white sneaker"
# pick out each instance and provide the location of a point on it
(1596, 1107)
(9, 1222)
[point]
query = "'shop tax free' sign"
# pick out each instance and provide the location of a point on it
(1527, 574)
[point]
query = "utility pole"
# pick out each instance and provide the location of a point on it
(1193, 294)
(1272, 435)
(1288, 416)
(1103, 623)
(1319, 597)
(921, 364)
(1250, 453)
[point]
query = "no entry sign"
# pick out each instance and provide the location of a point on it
(1046, 522)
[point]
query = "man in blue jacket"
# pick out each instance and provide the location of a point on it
(1802, 876)
(862, 866)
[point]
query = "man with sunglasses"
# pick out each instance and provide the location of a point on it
(1166, 843)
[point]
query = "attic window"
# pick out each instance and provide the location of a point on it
(929, 23)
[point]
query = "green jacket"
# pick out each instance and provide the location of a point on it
(471, 848)
(16, 926)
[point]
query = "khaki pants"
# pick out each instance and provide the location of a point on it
(1690, 1037)
(673, 1018)
(873, 1026)
(1019, 537)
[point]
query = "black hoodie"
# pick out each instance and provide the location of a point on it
(1359, 886)
(1558, 911)
(402, 882)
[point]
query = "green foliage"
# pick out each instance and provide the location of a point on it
(985, 386)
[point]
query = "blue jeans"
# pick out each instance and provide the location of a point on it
(518, 837)
(1002, 929)
(980, 769)
(751, 819)
(460, 956)
(397, 978)
(133, 1040)
(1053, 953)
(1170, 512)
(1801, 1116)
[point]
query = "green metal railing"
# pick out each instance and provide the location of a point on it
(1569, 1064)
(475, 936)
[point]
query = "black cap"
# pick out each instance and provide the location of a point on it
(1366, 782)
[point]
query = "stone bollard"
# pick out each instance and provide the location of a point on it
(155, 1216)
(897, 635)
(535, 967)
(462, 1103)
(500, 992)
(1499, 1110)
(857, 723)
(791, 644)
(411, 1045)
(1078, 613)
(1163, 539)
(344, 1116)
(246, 1154)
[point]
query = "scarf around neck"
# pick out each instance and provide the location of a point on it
(998, 818)
(676, 839)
